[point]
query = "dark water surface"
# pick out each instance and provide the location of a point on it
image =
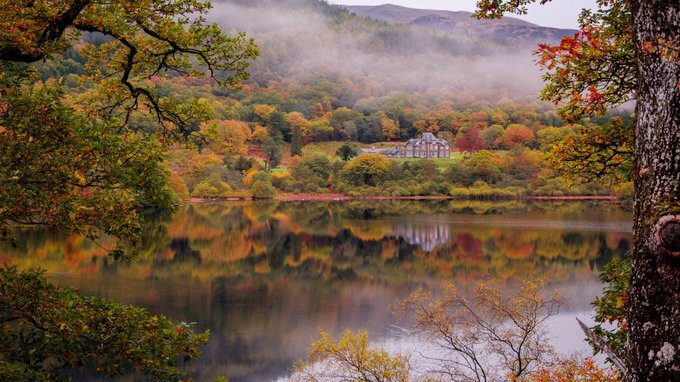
(266, 277)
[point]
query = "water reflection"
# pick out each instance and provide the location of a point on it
(265, 277)
(426, 236)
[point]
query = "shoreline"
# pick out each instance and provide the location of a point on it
(284, 197)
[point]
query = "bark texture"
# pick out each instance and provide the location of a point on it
(654, 335)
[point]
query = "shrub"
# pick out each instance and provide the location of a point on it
(399, 191)
(366, 169)
(262, 190)
(178, 185)
(310, 188)
(205, 190)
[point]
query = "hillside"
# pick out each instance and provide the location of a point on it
(508, 31)
(355, 58)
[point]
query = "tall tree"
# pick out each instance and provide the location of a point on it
(296, 141)
(631, 49)
(272, 154)
(79, 166)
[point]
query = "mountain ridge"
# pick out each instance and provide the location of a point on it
(508, 30)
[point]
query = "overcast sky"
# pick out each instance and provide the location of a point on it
(558, 13)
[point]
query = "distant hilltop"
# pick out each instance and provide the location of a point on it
(508, 30)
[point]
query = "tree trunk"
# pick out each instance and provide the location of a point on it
(654, 334)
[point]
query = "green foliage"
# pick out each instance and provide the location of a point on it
(366, 169)
(272, 152)
(320, 165)
(54, 329)
(144, 39)
(547, 138)
(490, 135)
(603, 153)
(213, 188)
(346, 152)
(296, 141)
(612, 308)
(262, 189)
(62, 170)
(243, 163)
(480, 166)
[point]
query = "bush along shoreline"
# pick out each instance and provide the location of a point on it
(483, 175)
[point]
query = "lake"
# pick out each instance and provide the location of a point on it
(266, 277)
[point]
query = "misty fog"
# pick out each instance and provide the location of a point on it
(387, 58)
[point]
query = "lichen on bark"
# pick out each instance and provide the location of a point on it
(655, 297)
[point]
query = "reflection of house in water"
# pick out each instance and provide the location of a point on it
(426, 236)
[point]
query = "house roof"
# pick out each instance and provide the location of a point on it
(429, 137)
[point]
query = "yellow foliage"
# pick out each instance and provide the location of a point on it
(574, 369)
(259, 135)
(297, 119)
(351, 359)
(178, 185)
(262, 267)
(264, 111)
(228, 136)
(248, 179)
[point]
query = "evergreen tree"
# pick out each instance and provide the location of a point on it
(296, 141)
(272, 152)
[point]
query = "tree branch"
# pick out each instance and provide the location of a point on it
(602, 346)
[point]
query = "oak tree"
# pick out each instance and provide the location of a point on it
(79, 165)
(45, 330)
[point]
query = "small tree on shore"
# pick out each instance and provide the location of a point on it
(351, 359)
(489, 336)
(493, 335)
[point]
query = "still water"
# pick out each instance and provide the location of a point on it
(265, 278)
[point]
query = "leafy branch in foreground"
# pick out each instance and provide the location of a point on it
(611, 309)
(143, 39)
(603, 153)
(59, 170)
(45, 330)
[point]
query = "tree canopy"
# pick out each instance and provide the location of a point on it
(79, 164)
(45, 329)
(141, 39)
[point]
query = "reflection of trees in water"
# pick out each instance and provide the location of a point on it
(182, 250)
(319, 240)
(263, 276)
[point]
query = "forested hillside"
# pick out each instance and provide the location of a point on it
(327, 75)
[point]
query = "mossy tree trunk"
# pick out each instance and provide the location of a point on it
(654, 336)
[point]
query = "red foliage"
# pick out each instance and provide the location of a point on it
(470, 140)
